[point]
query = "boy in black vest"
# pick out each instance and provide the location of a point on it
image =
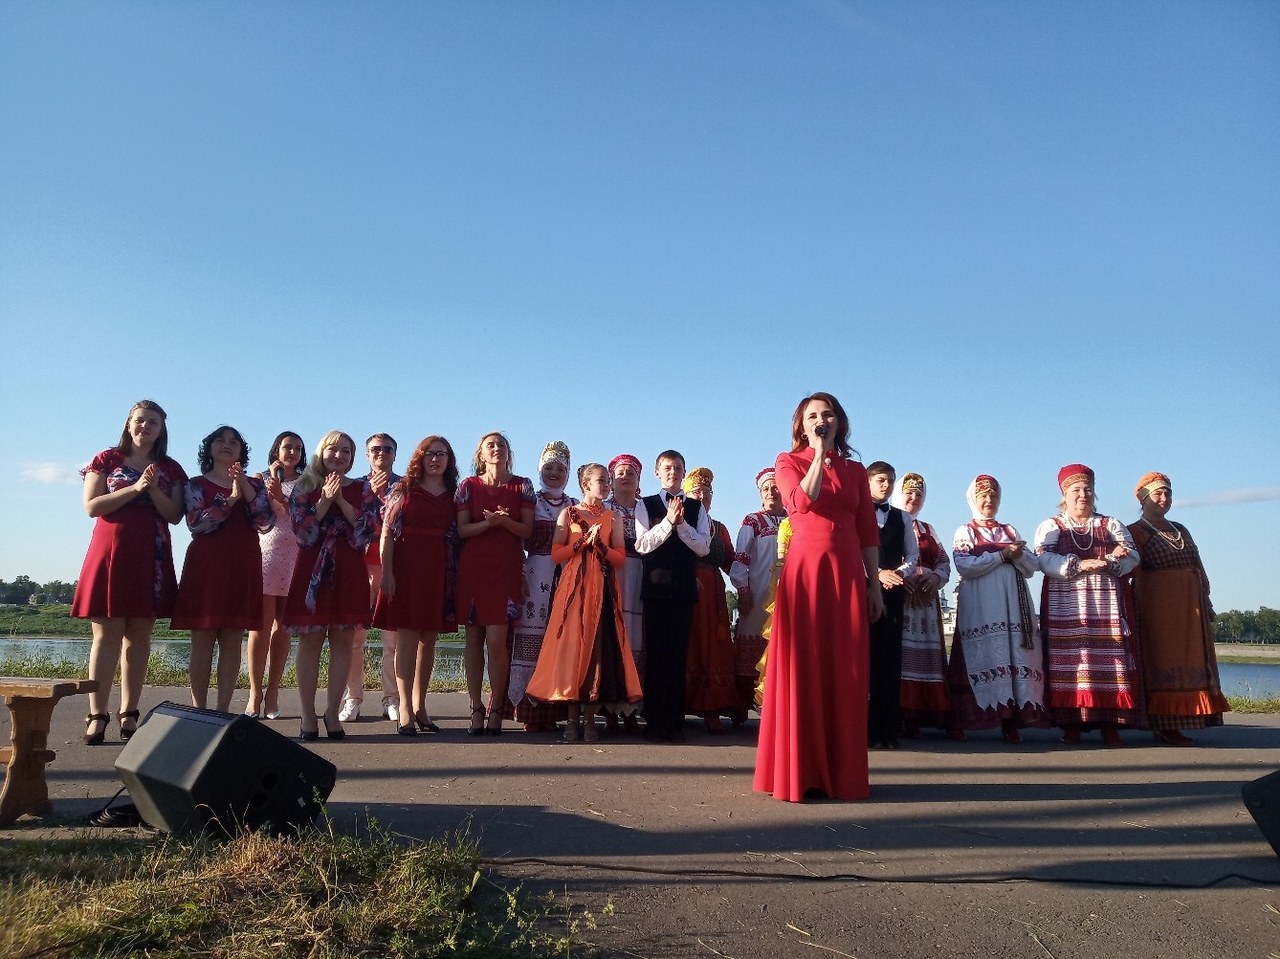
(899, 551)
(670, 533)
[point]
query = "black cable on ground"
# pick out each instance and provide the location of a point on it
(879, 880)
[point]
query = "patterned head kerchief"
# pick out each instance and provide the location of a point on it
(625, 458)
(1151, 482)
(765, 474)
(910, 481)
(554, 452)
(982, 483)
(697, 477)
(1074, 473)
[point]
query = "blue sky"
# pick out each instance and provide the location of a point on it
(1008, 236)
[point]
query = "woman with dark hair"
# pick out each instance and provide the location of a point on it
(269, 643)
(220, 595)
(813, 725)
(495, 515)
(418, 549)
(1174, 620)
(134, 491)
(1094, 669)
(334, 519)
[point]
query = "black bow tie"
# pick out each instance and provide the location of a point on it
(883, 507)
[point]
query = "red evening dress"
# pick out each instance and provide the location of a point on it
(813, 725)
(128, 571)
(222, 575)
(491, 565)
(330, 588)
(424, 530)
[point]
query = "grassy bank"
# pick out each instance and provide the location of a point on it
(321, 895)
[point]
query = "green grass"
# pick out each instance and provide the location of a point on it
(320, 895)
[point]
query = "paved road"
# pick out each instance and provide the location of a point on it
(975, 849)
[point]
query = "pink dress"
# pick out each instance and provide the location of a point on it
(279, 548)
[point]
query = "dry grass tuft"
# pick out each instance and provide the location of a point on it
(318, 896)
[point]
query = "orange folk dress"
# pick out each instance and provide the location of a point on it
(586, 656)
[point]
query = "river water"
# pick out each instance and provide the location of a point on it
(1247, 680)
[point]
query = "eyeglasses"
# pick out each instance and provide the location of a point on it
(381, 449)
(436, 454)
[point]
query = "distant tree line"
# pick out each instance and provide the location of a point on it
(1236, 626)
(25, 590)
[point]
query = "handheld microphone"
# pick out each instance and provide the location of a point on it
(820, 430)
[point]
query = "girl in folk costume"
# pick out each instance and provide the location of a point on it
(586, 660)
(335, 519)
(539, 577)
(709, 671)
(624, 471)
(996, 672)
(495, 515)
(924, 699)
(1174, 621)
(418, 552)
(220, 595)
(751, 574)
(1094, 666)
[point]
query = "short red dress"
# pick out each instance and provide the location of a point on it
(128, 571)
(222, 575)
(330, 587)
(424, 527)
(491, 565)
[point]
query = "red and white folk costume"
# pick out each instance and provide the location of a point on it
(755, 553)
(996, 673)
(923, 697)
(1094, 664)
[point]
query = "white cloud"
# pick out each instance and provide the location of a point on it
(1258, 494)
(51, 473)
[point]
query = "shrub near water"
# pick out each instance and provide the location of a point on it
(321, 895)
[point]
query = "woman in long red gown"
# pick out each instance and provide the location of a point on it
(813, 733)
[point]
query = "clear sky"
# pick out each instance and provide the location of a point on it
(1009, 236)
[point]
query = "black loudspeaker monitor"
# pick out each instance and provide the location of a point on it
(1262, 799)
(190, 770)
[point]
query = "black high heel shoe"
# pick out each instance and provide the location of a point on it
(332, 733)
(473, 729)
(307, 735)
(127, 734)
(425, 725)
(95, 739)
(410, 730)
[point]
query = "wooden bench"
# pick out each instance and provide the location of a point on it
(31, 703)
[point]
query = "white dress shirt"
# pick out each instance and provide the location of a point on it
(697, 538)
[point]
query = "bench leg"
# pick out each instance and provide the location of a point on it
(25, 788)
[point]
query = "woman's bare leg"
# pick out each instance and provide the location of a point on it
(309, 645)
(495, 638)
(200, 665)
(228, 665)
